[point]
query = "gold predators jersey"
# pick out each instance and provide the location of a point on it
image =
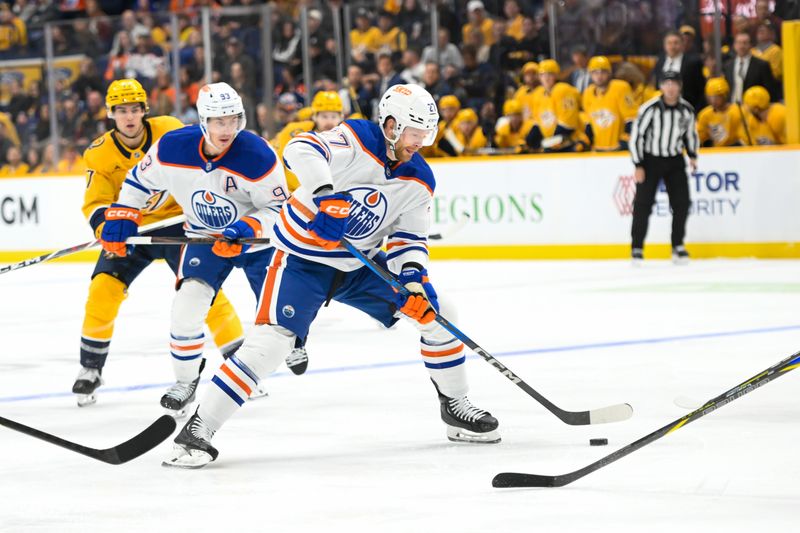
(504, 137)
(558, 108)
(770, 131)
(607, 113)
(719, 128)
(282, 139)
(108, 160)
(524, 96)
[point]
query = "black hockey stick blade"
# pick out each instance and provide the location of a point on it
(604, 415)
(514, 479)
(142, 443)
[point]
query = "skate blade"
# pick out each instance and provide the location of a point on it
(456, 434)
(177, 414)
(187, 459)
(258, 393)
(680, 261)
(85, 400)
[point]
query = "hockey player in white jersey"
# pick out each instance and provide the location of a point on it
(229, 184)
(364, 182)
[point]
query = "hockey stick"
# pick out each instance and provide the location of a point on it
(139, 240)
(612, 413)
(512, 479)
(142, 443)
(74, 249)
(451, 229)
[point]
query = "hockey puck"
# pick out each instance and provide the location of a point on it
(598, 442)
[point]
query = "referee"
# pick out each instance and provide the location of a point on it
(664, 127)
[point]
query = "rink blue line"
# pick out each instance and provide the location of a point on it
(389, 364)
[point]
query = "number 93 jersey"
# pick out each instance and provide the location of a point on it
(244, 180)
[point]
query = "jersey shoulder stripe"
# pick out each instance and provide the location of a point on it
(369, 137)
(249, 157)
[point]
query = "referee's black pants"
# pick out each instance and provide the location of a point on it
(673, 171)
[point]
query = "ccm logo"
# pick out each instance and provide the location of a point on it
(122, 214)
(335, 210)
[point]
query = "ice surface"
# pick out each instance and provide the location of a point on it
(356, 444)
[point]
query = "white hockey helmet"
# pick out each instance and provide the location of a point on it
(219, 100)
(410, 106)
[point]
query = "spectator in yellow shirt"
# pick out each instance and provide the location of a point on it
(13, 32)
(476, 12)
(14, 166)
(767, 50)
(389, 37)
(464, 136)
(71, 161)
(514, 17)
(719, 123)
(556, 114)
(530, 81)
(512, 128)
(364, 37)
(764, 123)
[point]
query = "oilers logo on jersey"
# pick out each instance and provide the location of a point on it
(367, 211)
(213, 210)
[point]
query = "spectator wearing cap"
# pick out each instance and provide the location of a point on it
(414, 22)
(463, 137)
(234, 53)
(364, 37)
(530, 81)
(449, 53)
(688, 36)
(663, 130)
(767, 50)
(745, 70)
(286, 109)
(389, 36)
(512, 129)
(476, 14)
(690, 67)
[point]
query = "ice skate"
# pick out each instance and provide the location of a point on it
(87, 382)
(192, 448)
(637, 257)
(260, 391)
(680, 256)
(297, 361)
(467, 423)
(178, 398)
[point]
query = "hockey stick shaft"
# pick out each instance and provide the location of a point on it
(145, 441)
(80, 247)
(614, 413)
(512, 479)
(448, 231)
(144, 240)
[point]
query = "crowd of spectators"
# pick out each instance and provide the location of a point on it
(485, 72)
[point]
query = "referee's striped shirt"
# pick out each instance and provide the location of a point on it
(664, 131)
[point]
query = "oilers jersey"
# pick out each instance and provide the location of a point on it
(390, 199)
(245, 180)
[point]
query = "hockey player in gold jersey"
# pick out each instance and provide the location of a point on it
(557, 125)
(609, 108)
(108, 159)
(512, 129)
(720, 122)
(765, 123)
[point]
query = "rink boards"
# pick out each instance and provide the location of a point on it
(552, 207)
